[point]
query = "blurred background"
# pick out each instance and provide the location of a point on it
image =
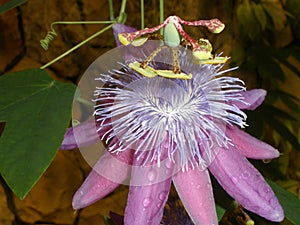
(262, 37)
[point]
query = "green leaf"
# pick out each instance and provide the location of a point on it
(277, 112)
(282, 130)
(259, 14)
(289, 202)
(288, 99)
(247, 20)
(108, 221)
(10, 5)
(270, 69)
(220, 212)
(238, 54)
(37, 111)
(277, 13)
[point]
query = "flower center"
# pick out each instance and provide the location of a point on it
(185, 118)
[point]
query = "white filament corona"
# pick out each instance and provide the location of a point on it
(186, 117)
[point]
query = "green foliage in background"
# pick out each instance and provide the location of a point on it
(267, 45)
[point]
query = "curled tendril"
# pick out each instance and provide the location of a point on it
(49, 37)
(52, 33)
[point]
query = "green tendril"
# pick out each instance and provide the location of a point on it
(50, 35)
(76, 47)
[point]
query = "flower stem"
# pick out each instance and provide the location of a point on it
(122, 15)
(111, 10)
(142, 15)
(161, 14)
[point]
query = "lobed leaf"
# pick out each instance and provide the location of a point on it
(10, 5)
(37, 112)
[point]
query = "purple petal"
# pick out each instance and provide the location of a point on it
(119, 28)
(195, 191)
(106, 175)
(250, 146)
(83, 134)
(245, 184)
(145, 204)
(252, 99)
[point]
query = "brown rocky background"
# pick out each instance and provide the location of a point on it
(49, 202)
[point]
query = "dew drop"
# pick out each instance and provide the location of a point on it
(267, 190)
(162, 195)
(151, 175)
(158, 205)
(273, 201)
(147, 202)
(168, 164)
(208, 186)
(245, 175)
(234, 179)
(168, 172)
(198, 186)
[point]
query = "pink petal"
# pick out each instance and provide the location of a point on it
(252, 99)
(145, 204)
(83, 134)
(245, 184)
(106, 175)
(119, 28)
(250, 146)
(195, 191)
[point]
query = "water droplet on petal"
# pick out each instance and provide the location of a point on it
(147, 202)
(198, 186)
(169, 164)
(167, 172)
(245, 175)
(151, 175)
(234, 179)
(162, 195)
(267, 190)
(273, 201)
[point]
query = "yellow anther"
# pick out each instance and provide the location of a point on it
(147, 72)
(215, 60)
(139, 41)
(202, 54)
(171, 74)
(123, 39)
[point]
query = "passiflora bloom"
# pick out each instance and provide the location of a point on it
(161, 130)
